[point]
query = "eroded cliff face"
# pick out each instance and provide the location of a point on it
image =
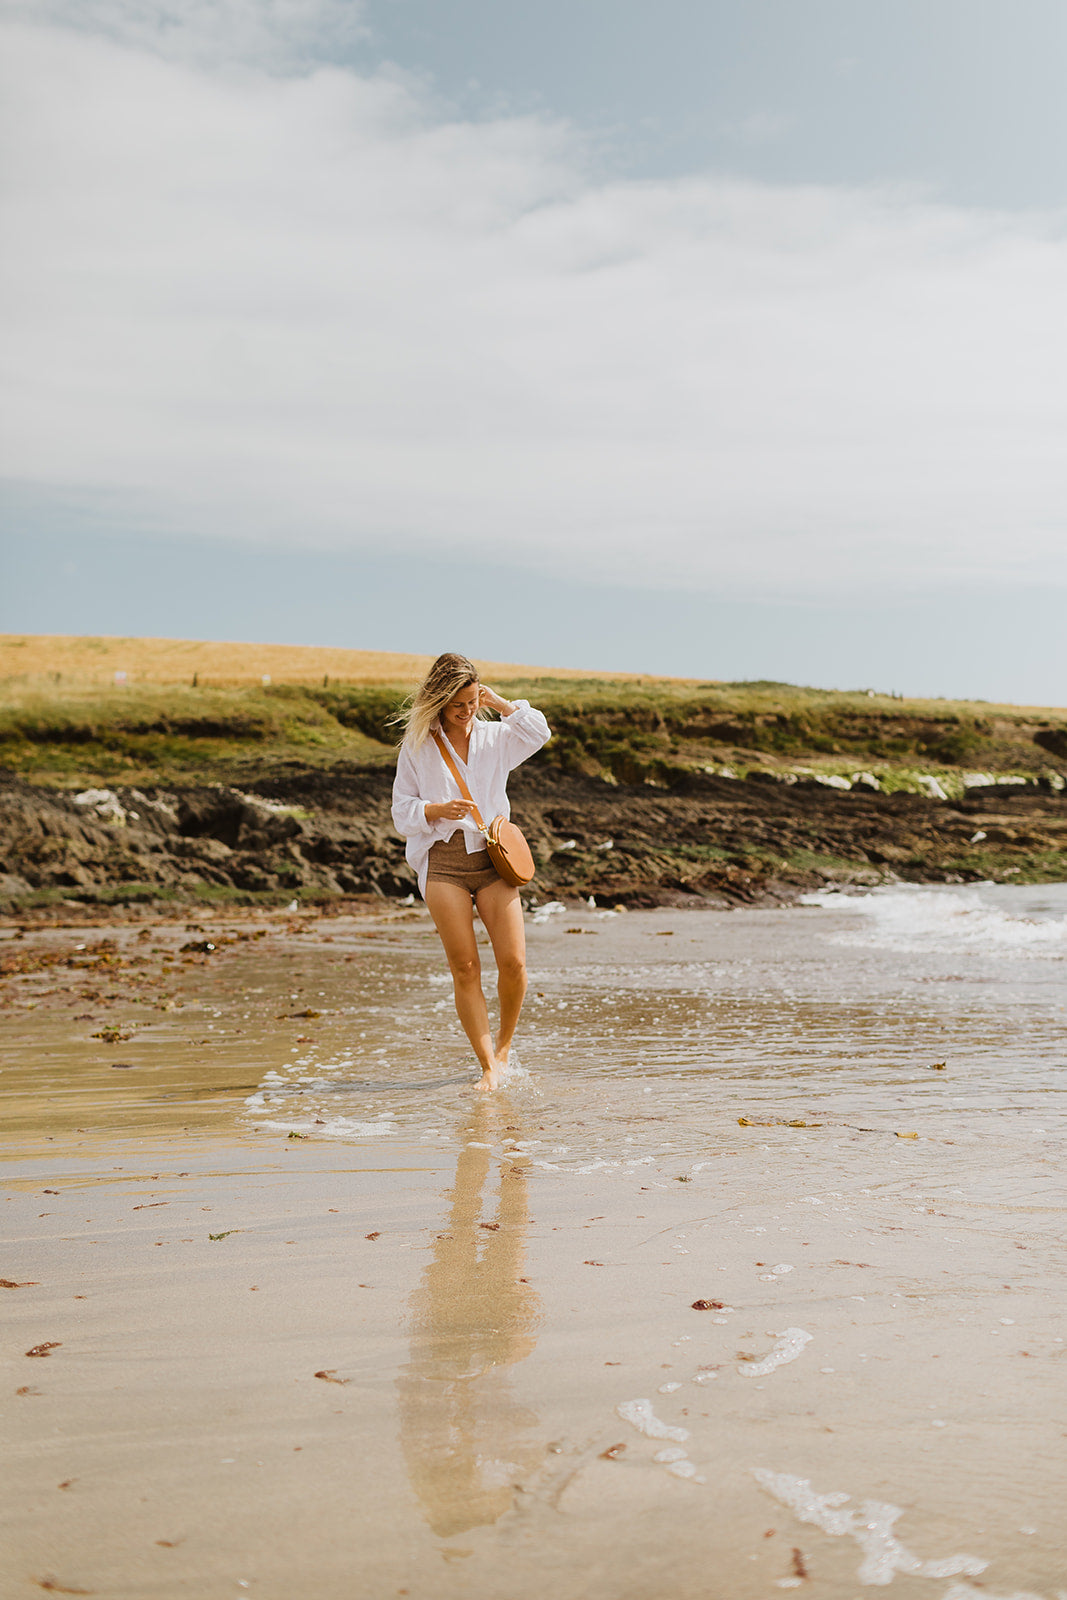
(707, 840)
(193, 838)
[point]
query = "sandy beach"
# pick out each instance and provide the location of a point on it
(749, 1280)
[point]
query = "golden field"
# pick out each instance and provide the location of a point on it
(88, 660)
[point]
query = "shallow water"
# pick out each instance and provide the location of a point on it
(655, 1029)
(642, 1033)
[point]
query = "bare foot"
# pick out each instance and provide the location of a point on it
(490, 1078)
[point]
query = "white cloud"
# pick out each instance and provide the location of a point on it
(278, 35)
(301, 307)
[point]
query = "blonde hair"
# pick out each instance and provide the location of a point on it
(449, 676)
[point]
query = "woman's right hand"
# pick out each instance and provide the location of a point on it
(448, 810)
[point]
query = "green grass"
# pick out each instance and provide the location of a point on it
(205, 895)
(111, 895)
(643, 732)
(632, 731)
(1003, 866)
(704, 852)
(161, 734)
(809, 861)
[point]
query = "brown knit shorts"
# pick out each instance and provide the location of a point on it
(450, 863)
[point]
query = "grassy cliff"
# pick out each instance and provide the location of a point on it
(638, 730)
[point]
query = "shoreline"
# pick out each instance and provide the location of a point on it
(803, 1338)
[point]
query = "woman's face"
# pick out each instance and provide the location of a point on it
(458, 716)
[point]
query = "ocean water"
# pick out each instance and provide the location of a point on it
(644, 1032)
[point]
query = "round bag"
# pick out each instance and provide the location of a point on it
(509, 852)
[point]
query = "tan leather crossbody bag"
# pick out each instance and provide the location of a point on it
(506, 844)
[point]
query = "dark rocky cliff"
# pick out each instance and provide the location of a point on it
(321, 834)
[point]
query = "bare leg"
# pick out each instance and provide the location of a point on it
(500, 909)
(453, 915)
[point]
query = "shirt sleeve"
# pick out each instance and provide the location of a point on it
(409, 807)
(523, 733)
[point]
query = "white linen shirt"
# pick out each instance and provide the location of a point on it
(496, 748)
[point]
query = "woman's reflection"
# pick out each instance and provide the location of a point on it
(466, 1440)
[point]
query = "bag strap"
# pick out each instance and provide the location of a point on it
(454, 770)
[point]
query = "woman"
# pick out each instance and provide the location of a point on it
(446, 848)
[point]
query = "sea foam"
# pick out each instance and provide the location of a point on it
(870, 1524)
(989, 918)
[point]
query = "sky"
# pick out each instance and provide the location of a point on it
(704, 338)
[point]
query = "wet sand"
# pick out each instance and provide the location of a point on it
(444, 1345)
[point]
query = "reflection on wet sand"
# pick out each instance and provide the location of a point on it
(466, 1439)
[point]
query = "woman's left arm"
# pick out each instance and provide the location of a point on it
(489, 700)
(524, 728)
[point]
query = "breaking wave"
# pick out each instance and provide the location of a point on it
(993, 919)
